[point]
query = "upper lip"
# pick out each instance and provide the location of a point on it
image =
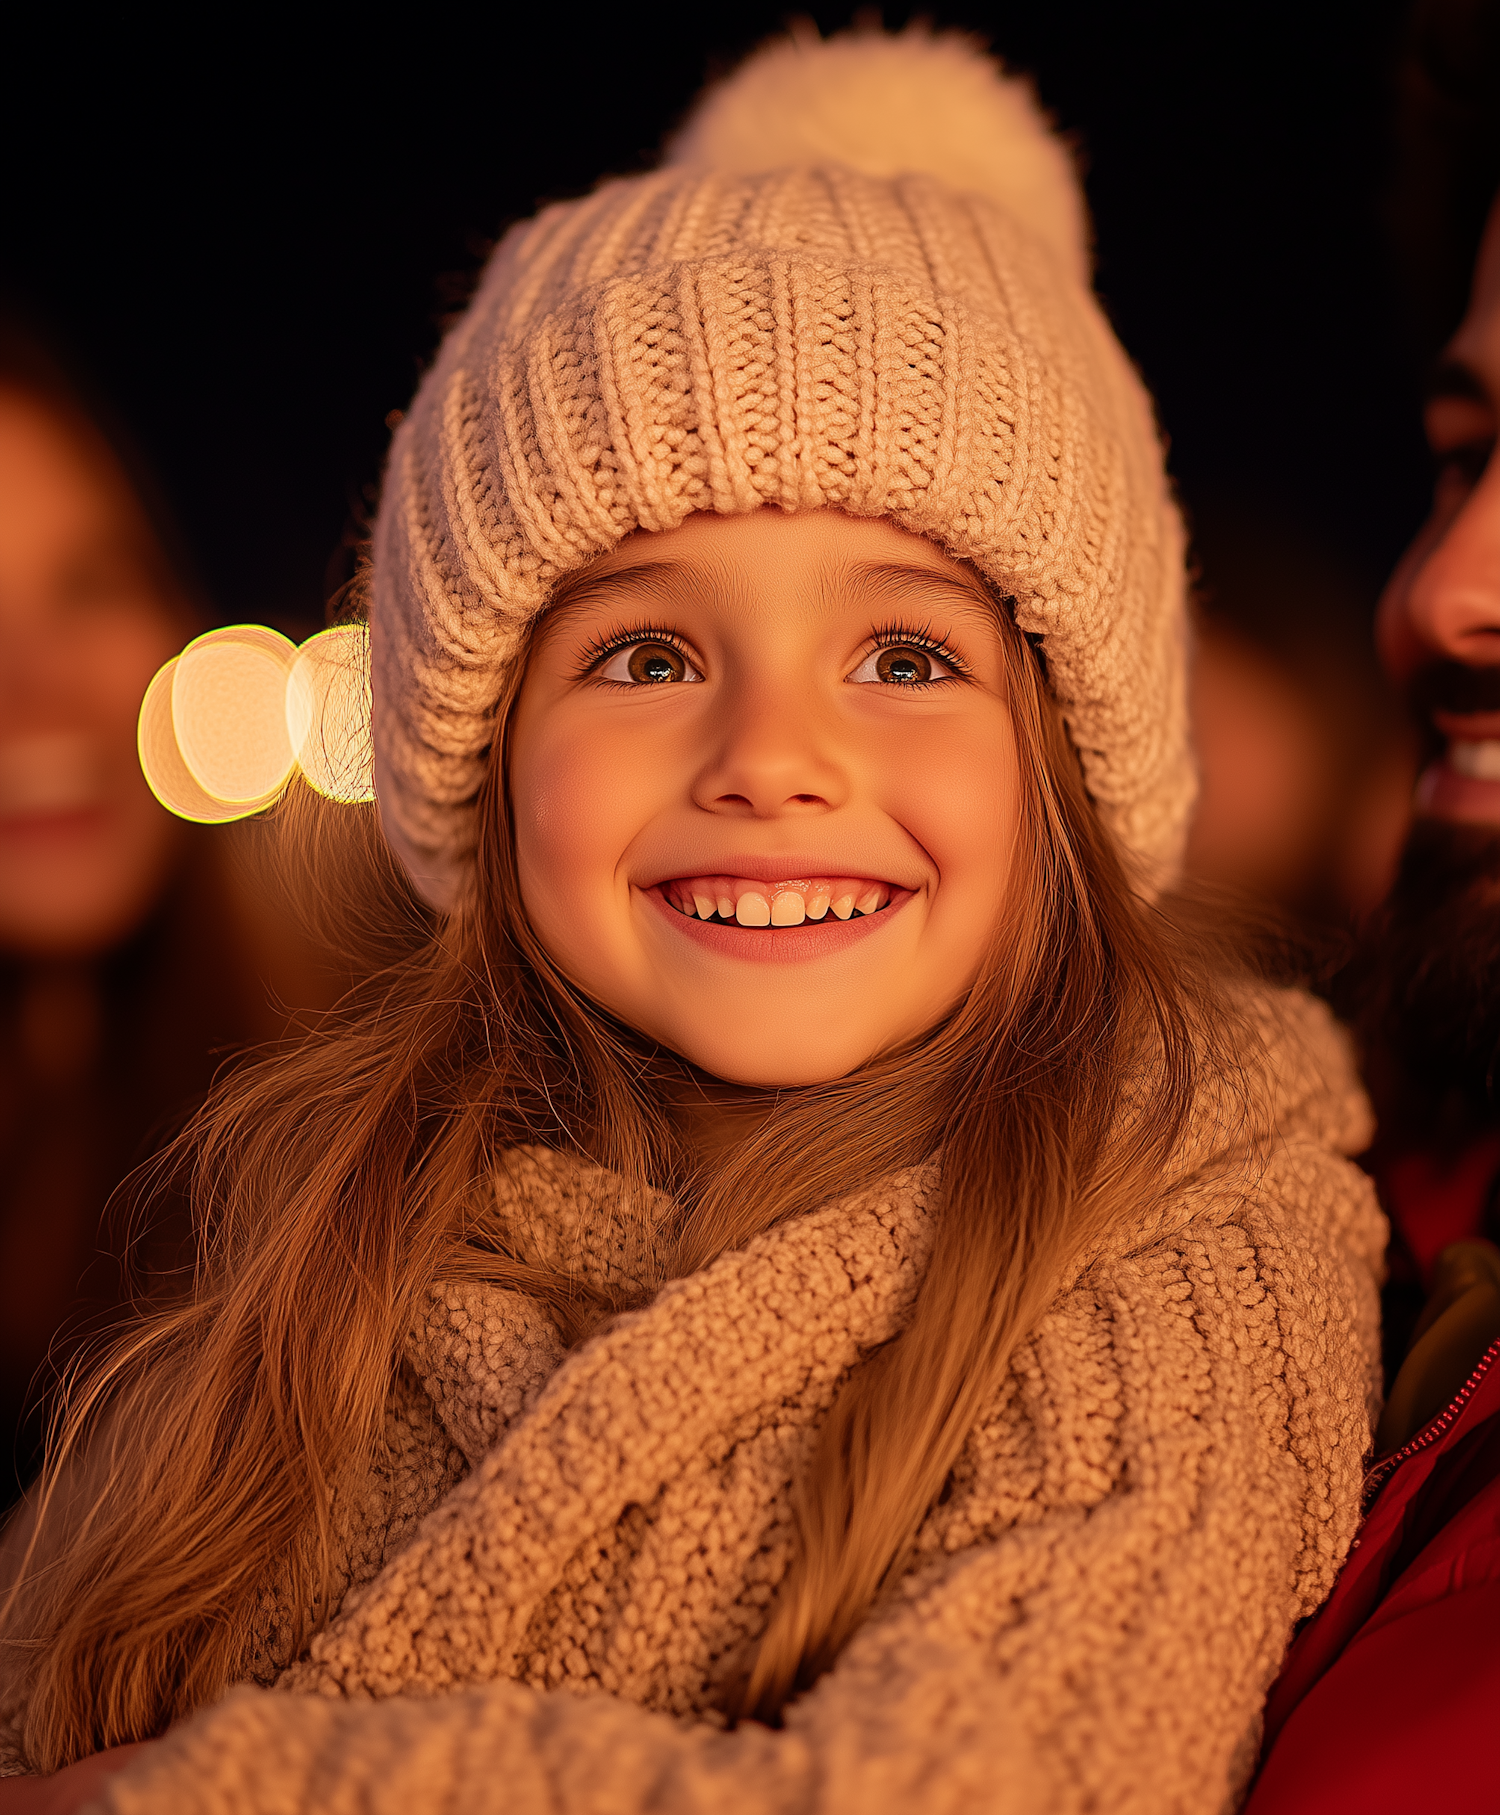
(795, 868)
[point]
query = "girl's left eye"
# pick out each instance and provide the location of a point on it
(648, 664)
(903, 665)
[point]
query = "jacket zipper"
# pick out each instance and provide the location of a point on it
(1380, 1472)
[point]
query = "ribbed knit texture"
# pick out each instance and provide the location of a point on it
(696, 340)
(1167, 1480)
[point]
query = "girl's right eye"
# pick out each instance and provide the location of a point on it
(648, 664)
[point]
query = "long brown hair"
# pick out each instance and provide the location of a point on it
(335, 1182)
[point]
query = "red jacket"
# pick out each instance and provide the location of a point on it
(1390, 1696)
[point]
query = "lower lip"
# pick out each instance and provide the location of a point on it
(781, 944)
(1442, 793)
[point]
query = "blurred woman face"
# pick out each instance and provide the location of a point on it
(86, 617)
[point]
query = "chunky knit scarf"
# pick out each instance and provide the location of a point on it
(563, 1554)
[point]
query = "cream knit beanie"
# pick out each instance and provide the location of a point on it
(860, 281)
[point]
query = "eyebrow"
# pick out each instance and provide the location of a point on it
(578, 590)
(891, 576)
(658, 577)
(1451, 378)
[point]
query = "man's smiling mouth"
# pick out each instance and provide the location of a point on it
(1461, 783)
(741, 901)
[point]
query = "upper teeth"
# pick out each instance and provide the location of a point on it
(1479, 761)
(775, 903)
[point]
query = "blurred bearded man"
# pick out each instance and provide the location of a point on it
(1389, 1698)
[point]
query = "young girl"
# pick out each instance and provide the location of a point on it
(811, 1293)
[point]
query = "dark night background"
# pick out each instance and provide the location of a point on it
(244, 231)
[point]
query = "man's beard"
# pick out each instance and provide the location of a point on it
(1426, 981)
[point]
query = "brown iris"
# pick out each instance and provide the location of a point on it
(652, 663)
(903, 667)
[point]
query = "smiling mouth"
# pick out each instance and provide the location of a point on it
(740, 901)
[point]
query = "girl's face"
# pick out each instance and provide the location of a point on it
(765, 789)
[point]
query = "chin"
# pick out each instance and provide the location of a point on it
(75, 912)
(787, 1059)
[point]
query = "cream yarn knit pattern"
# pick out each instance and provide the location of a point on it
(1167, 1480)
(802, 313)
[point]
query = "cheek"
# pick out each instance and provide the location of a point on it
(555, 812)
(957, 794)
(1398, 644)
(579, 799)
(563, 824)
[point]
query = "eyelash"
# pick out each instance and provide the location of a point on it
(892, 635)
(896, 635)
(611, 642)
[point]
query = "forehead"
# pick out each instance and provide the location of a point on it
(773, 551)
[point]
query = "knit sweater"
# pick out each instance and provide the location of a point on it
(563, 1553)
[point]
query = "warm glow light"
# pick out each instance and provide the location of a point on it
(229, 712)
(167, 775)
(328, 713)
(224, 725)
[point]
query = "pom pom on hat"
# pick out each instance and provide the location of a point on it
(892, 105)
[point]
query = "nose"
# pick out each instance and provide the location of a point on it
(775, 756)
(1449, 606)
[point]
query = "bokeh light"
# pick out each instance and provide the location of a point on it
(229, 711)
(225, 725)
(328, 713)
(167, 775)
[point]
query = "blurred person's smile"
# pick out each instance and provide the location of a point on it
(1435, 952)
(85, 620)
(1439, 625)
